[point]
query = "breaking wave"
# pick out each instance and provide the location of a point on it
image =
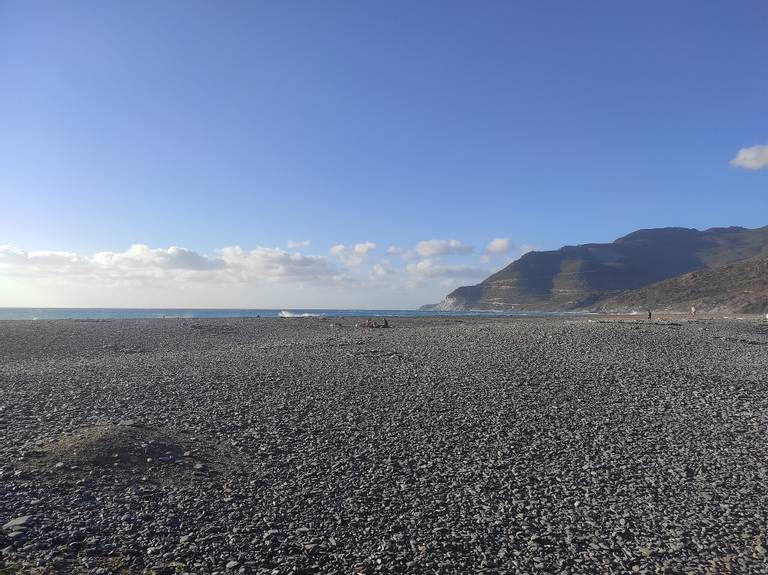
(285, 313)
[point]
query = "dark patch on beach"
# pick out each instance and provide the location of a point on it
(126, 446)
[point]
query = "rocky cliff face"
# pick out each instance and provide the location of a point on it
(578, 277)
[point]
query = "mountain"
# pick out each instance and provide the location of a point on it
(741, 287)
(576, 277)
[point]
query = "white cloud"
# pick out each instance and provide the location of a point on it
(499, 246)
(432, 248)
(10, 256)
(754, 158)
(140, 256)
(382, 270)
(20, 262)
(275, 264)
(378, 270)
(140, 262)
(352, 256)
(429, 269)
(364, 248)
(298, 245)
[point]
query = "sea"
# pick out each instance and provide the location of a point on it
(49, 313)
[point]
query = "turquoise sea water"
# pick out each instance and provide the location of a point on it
(29, 313)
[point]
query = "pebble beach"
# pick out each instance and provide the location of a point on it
(439, 445)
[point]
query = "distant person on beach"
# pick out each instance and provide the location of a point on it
(649, 314)
(385, 323)
(693, 311)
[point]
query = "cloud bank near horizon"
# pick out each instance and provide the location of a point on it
(142, 262)
(417, 275)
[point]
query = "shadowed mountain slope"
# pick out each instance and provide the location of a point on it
(741, 287)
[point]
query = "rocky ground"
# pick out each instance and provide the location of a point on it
(437, 446)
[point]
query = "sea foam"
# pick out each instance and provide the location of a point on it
(285, 313)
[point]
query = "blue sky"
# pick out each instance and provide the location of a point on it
(208, 125)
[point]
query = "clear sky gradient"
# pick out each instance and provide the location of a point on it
(208, 125)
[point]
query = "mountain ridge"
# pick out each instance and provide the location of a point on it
(580, 276)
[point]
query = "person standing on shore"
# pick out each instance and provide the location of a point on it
(693, 311)
(649, 314)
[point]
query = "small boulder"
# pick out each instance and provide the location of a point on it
(18, 524)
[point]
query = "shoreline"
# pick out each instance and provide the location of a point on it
(554, 316)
